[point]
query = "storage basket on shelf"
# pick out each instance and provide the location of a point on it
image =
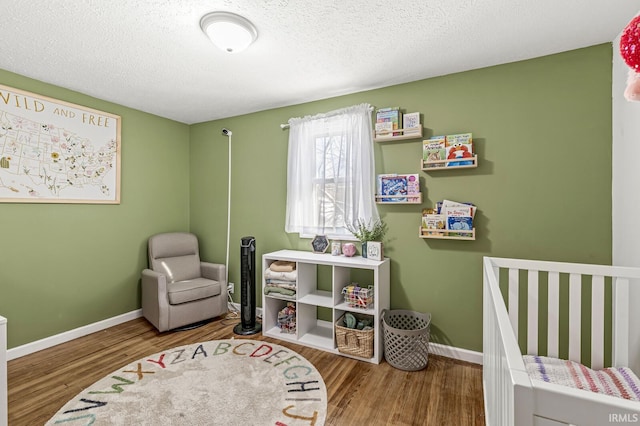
(353, 341)
(358, 297)
(406, 339)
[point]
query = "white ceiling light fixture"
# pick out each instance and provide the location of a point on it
(230, 32)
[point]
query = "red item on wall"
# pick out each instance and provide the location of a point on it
(630, 44)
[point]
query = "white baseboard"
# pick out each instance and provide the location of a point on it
(57, 339)
(455, 353)
(29, 348)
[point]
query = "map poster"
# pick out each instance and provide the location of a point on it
(53, 151)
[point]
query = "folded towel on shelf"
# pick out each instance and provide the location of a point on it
(282, 266)
(279, 275)
(283, 291)
(279, 283)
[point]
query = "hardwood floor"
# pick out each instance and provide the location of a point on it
(447, 392)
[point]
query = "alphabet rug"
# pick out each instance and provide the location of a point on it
(220, 382)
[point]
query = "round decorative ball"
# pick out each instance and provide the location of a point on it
(348, 249)
(630, 44)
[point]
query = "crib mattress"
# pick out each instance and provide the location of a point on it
(615, 381)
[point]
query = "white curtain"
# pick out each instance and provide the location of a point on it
(330, 172)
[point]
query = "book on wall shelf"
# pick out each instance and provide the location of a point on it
(392, 115)
(411, 124)
(392, 125)
(449, 220)
(459, 147)
(399, 188)
(457, 152)
(433, 151)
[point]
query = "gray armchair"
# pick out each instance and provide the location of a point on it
(178, 289)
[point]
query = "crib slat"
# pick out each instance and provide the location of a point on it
(575, 303)
(621, 322)
(553, 324)
(513, 299)
(532, 313)
(597, 322)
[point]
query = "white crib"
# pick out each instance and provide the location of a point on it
(557, 308)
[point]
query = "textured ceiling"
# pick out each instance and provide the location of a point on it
(151, 54)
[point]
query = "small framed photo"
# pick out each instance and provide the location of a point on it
(320, 244)
(374, 250)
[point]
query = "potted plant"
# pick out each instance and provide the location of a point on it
(367, 231)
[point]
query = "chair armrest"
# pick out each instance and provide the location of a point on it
(214, 271)
(154, 280)
(155, 300)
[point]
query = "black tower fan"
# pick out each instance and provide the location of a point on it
(248, 323)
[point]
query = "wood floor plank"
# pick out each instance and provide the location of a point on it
(447, 392)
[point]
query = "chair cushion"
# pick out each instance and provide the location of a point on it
(190, 290)
(179, 268)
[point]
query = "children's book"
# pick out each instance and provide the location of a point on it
(459, 223)
(459, 146)
(411, 121)
(391, 114)
(453, 208)
(392, 184)
(384, 128)
(413, 186)
(433, 149)
(434, 221)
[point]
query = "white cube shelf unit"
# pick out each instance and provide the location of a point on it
(311, 331)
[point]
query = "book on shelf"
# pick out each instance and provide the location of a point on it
(451, 216)
(454, 208)
(413, 187)
(459, 146)
(394, 185)
(434, 149)
(411, 123)
(460, 223)
(384, 128)
(390, 114)
(399, 186)
(433, 221)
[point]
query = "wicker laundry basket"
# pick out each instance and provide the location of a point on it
(406, 339)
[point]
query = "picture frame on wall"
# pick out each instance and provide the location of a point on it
(375, 250)
(53, 151)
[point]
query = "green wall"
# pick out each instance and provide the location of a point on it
(63, 266)
(542, 130)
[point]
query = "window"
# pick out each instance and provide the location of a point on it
(330, 172)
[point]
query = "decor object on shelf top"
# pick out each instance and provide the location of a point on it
(320, 244)
(630, 52)
(372, 230)
(349, 249)
(366, 231)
